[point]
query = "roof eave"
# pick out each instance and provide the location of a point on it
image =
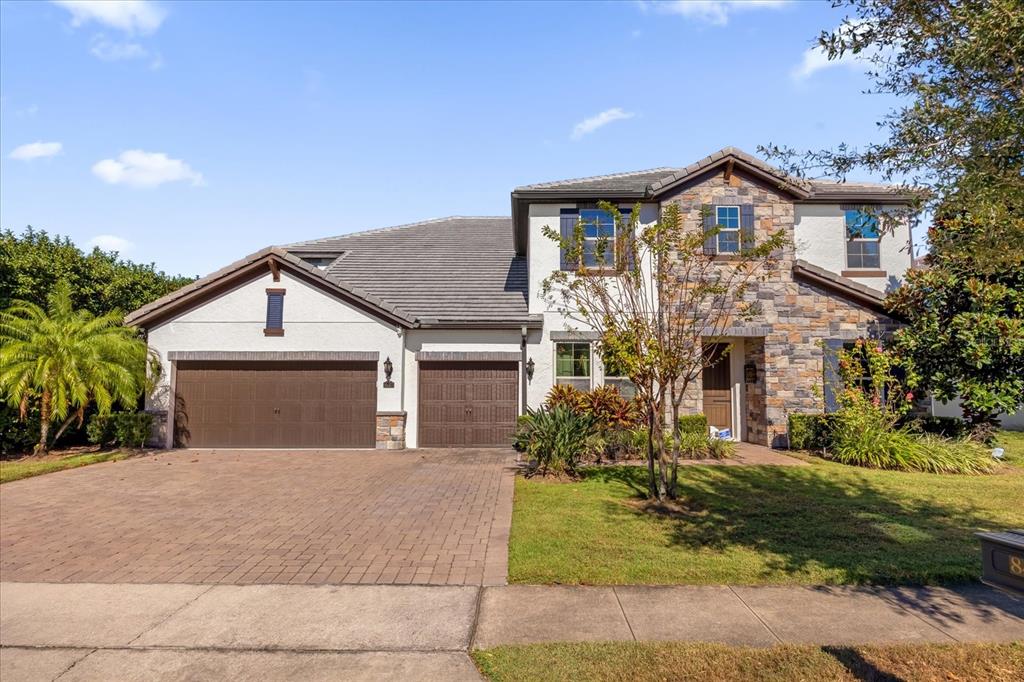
(855, 291)
(178, 301)
(663, 187)
(520, 228)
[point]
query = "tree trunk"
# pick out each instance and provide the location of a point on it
(44, 424)
(673, 484)
(66, 424)
(652, 485)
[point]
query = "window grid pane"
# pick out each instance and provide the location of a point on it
(572, 360)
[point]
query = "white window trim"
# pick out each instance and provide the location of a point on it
(590, 362)
(849, 240)
(722, 228)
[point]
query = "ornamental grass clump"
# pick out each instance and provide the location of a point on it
(556, 439)
(866, 430)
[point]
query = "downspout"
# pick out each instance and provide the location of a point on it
(522, 372)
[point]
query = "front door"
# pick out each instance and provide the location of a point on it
(717, 389)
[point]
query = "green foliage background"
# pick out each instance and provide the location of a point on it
(101, 281)
(31, 264)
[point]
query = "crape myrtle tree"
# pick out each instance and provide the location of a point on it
(652, 294)
(957, 67)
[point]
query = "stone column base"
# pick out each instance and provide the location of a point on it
(391, 430)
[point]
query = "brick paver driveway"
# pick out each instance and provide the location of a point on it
(242, 517)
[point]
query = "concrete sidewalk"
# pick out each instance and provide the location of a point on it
(129, 631)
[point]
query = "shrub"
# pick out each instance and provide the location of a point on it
(610, 410)
(557, 438)
(810, 431)
(126, 429)
(868, 438)
(565, 396)
(17, 436)
(693, 423)
(719, 448)
(947, 427)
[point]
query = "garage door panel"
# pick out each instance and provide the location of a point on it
(277, 404)
(468, 404)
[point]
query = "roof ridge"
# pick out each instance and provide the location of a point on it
(419, 223)
(607, 176)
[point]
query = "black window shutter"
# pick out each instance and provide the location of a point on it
(832, 382)
(275, 310)
(569, 218)
(710, 220)
(628, 240)
(747, 225)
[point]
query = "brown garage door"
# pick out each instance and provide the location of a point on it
(276, 404)
(468, 404)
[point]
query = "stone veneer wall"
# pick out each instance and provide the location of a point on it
(757, 425)
(391, 430)
(799, 315)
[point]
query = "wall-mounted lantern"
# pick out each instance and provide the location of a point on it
(388, 369)
(750, 373)
(529, 369)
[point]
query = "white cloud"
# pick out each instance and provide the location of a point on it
(111, 242)
(815, 59)
(715, 12)
(138, 168)
(36, 150)
(130, 16)
(112, 51)
(589, 125)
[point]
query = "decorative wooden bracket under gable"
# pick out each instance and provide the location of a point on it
(274, 271)
(728, 170)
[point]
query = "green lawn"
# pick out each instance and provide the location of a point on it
(1013, 443)
(717, 662)
(822, 524)
(34, 466)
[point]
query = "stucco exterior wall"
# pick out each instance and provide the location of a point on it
(820, 238)
(313, 321)
(544, 259)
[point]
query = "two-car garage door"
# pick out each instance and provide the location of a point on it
(276, 404)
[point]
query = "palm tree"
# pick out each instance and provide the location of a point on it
(64, 359)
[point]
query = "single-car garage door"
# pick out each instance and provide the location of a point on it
(468, 403)
(276, 404)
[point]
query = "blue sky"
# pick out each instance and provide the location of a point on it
(191, 134)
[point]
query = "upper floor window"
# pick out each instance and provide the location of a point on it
(598, 230)
(728, 220)
(862, 240)
(275, 313)
(572, 364)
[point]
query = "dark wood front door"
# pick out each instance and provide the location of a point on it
(468, 404)
(717, 389)
(276, 404)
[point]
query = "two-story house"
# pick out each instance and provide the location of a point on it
(435, 334)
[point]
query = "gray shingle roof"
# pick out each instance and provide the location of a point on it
(634, 181)
(654, 180)
(454, 269)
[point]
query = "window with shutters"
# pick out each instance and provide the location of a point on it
(862, 240)
(728, 220)
(275, 313)
(598, 236)
(572, 364)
